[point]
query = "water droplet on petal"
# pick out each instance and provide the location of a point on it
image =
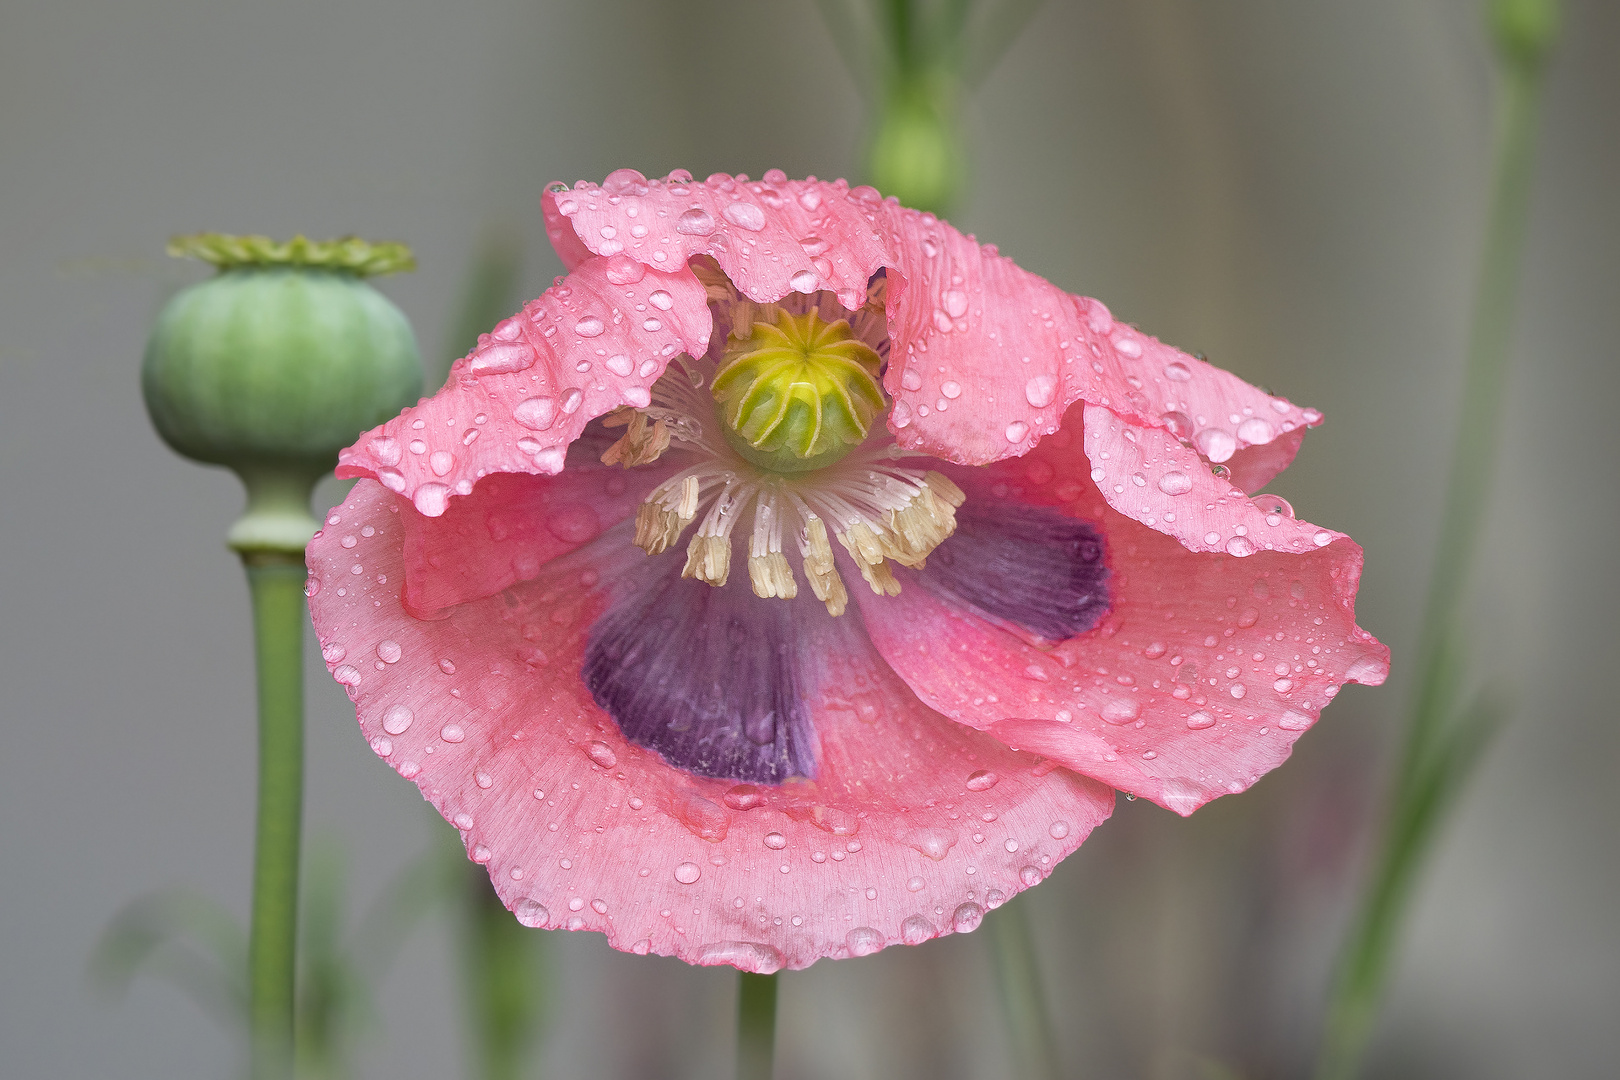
(1016, 431)
(602, 754)
(536, 413)
(915, 930)
(1216, 444)
(744, 215)
(1200, 719)
(1175, 483)
(385, 450)
(695, 222)
(956, 303)
(967, 917)
(623, 270)
(1255, 431)
(1240, 546)
(863, 941)
(388, 651)
(1041, 391)
(1177, 371)
(441, 462)
(688, 872)
(397, 719)
(1121, 710)
(452, 733)
(1029, 876)
(775, 841)
(589, 326)
(430, 499)
(661, 300)
(501, 358)
(530, 912)
(619, 364)
(1059, 830)
(1294, 721)
(952, 390)
(805, 281)
(983, 780)
(571, 399)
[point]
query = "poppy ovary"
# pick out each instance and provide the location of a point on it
(798, 393)
(273, 365)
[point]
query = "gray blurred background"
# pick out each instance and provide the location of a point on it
(1296, 190)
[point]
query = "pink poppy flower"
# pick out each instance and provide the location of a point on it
(1021, 571)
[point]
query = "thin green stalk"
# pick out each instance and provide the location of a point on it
(756, 1026)
(1443, 740)
(276, 580)
(503, 979)
(1023, 1002)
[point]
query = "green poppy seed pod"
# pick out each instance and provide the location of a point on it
(276, 364)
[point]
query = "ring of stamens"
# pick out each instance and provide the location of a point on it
(879, 508)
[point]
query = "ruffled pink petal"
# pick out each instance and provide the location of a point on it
(1148, 475)
(913, 827)
(594, 342)
(985, 356)
(1253, 467)
(509, 527)
(1196, 684)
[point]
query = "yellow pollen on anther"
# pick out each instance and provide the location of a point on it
(819, 568)
(708, 558)
(771, 576)
(641, 444)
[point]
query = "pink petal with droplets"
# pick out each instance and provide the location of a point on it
(1147, 474)
(512, 525)
(515, 403)
(1196, 684)
(582, 829)
(958, 313)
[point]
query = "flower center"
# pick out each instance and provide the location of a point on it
(799, 393)
(785, 440)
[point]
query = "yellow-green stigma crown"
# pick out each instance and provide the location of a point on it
(799, 393)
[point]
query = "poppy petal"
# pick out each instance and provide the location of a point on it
(592, 343)
(1197, 682)
(913, 827)
(985, 356)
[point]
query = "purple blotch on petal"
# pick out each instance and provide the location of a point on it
(1026, 565)
(704, 676)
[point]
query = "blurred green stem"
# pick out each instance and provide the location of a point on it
(1443, 741)
(503, 981)
(756, 1026)
(1023, 1004)
(276, 580)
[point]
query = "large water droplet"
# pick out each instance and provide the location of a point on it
(863, 941)
(397, 719)
(571, 399)
(536, 413)
(430, 500)
(967, 917)
(695, 222)
(1200, 719)
(775, 841)
(1175, 483)
(441, 462)
(805, 281)
(983, 780)
(530, 912)
(386, 450)
(452, 733)
(1016, 431)
(625, 182)
(1240, 546)
(1255, 431)
(388, 651)
(916, 930)
(1216, 444)
(1029, 876)
(956, 303)
(1121, 710)
(933, 843)
(743, 955)
(602, 754)
(619, 364)
(501, 358)
(1041, 391)
(688, 872)
(745, 215)
(589, 326)
(623, 270)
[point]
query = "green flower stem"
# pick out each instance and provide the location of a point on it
(276, 579)
(1023, 1003)
(503, 979)
(1443, 738)
(756, 1026)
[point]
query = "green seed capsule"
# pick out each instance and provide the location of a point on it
(276, 364)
